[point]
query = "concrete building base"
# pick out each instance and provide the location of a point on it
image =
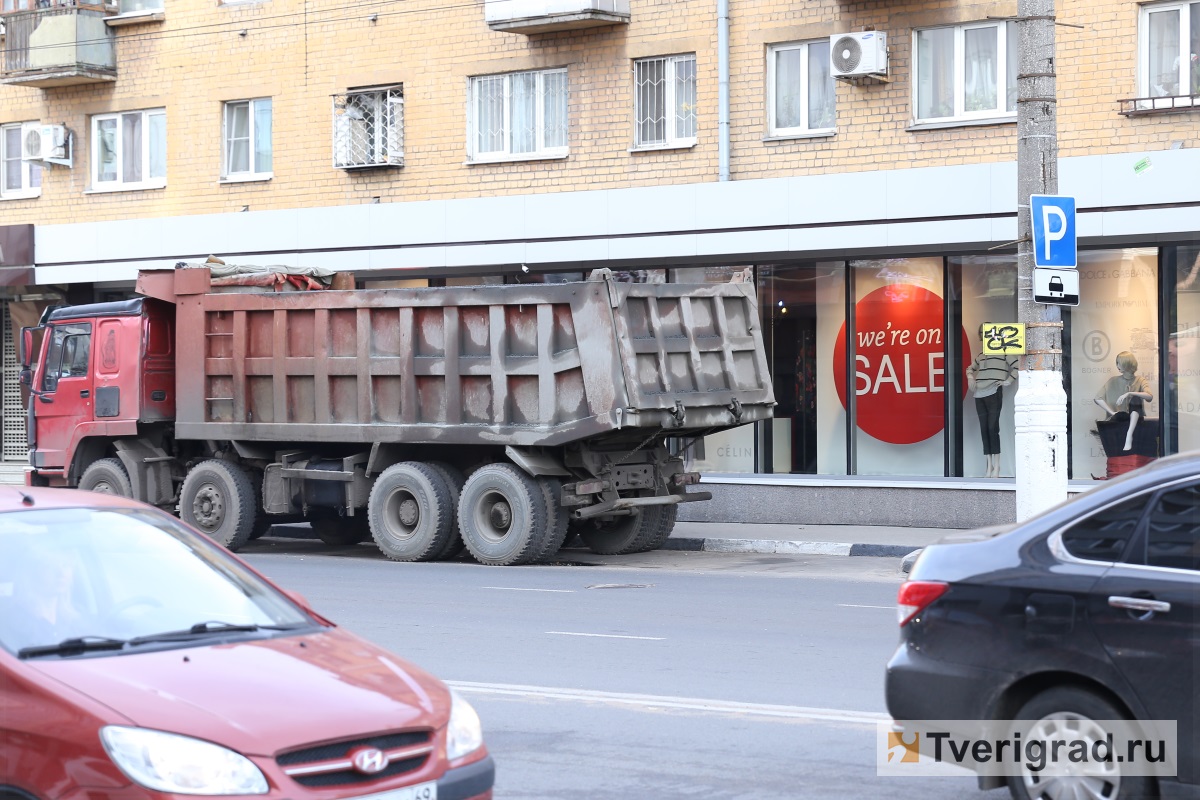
(958, 504)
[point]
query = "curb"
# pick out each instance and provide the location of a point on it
(787, 547)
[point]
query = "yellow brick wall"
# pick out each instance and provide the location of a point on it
(302, 53)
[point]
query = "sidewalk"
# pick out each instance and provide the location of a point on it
(811, 540)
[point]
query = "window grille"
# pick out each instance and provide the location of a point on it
(666, 100)
(368, 128)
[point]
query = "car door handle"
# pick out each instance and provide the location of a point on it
(1139, 604)
(84, 393)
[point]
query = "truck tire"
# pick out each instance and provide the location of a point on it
(455, 480)
(342, 531)
(662, 532)
(502, 516)
(622, 534)
(218, 500)
(410, 512)
(556, 518)
(107, 476)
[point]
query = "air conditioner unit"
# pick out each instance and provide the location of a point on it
(858, 54)
(43, 142)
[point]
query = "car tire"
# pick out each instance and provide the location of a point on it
(410, 512)
(556, 518)
(107, 476)
(502, 516)
(1069, 702)
(455, 480)
(218, 500)
(621, 535)
(341, 531)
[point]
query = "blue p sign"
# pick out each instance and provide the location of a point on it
(1054, 243)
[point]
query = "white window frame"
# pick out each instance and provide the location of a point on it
(540, 151)
(1001, 113)
(672, 140)
(120, 185)
(805, 129)
(253, 173)
(1185, 29)
(27, 190)
(387, 118)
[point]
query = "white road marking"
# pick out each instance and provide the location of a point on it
(607, 636)
(517, 589)
(853, 605)
(643, 701)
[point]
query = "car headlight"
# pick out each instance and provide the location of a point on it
(464, 734)
(167, 762)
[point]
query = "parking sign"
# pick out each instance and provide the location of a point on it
(1054, 243)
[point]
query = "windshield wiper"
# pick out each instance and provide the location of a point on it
(201, 629)
(73, 646)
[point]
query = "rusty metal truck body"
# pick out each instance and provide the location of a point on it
(495, 416)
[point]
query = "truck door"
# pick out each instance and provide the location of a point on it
(64, 398)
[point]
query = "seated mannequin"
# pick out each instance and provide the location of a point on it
(1127, 392)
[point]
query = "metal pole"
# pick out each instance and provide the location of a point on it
(1041, 403)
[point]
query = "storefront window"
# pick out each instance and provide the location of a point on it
(1183, 349)
(900, 367)
(1113, 370)
(989, 297)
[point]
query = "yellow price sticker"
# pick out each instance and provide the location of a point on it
(1004, 338)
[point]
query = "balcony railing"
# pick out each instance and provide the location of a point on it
(60, 45)
(1139, 106)
(543, 16)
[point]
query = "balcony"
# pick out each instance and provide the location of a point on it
(1142, 106)
(546, 16)
(61, 45)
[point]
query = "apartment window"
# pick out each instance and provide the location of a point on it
(129, 150)
(247, 137)
(520, 114)
(368, 128)
(1170, 50)
(801, 90)
(139, 6)
(665, 99)
(966, 72)
(20, 178)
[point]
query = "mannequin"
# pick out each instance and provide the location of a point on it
(1126, 393)
(987, 376)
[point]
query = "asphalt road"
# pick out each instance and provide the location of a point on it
(665, 675)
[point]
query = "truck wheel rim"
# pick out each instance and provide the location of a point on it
(494, 516)
(403, 514)
(104, 487)
(208, 508)
(1090, 780)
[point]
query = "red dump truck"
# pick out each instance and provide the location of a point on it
(498, 418)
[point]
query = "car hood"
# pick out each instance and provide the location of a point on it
(262, 696)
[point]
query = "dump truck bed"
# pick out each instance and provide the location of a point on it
(536, 364)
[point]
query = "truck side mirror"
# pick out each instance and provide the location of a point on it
(26, 376)
(26, 347)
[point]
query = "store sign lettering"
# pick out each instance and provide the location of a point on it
(899, 376)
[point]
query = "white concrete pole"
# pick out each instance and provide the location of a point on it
(1040, 403)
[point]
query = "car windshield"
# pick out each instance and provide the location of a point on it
(114, 575)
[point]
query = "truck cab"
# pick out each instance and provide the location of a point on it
(102, 372)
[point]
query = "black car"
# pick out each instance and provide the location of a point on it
(1088, 611)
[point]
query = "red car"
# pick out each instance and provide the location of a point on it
(140, 660)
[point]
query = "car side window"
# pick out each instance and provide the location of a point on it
(1173, 531)
(1104, 536)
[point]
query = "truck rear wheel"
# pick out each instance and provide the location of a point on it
(556, 522)
(410, 512)
(107, 476)
(218, 499)
(621, 535)
(455, 481)
(502, 516)
(659, 535)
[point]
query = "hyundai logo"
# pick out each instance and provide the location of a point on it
(369, 760)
